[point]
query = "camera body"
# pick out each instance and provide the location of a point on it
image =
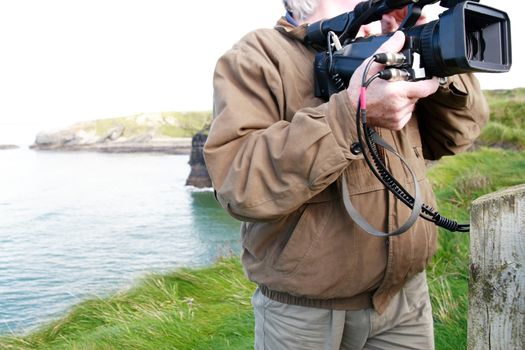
(467, 37)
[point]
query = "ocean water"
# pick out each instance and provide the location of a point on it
(78, 225)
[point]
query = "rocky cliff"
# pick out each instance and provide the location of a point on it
(199, 176)
(168, 132)
(67, 140)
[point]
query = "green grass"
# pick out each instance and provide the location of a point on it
(506, 127)
(166, 124)
(188, 309)
(131, 127)
(186, 125)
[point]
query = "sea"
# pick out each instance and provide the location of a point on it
(77, 225)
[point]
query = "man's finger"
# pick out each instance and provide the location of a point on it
(388, 24)
(394, 44)
(422, 88)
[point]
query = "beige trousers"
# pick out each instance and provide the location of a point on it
(405, 324)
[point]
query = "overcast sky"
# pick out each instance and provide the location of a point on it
(64, 61)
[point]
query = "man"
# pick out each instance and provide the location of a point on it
(277, 155)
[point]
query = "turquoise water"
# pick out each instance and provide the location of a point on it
(78, 225)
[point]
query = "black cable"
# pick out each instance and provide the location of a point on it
(385, 175)
(381, 173)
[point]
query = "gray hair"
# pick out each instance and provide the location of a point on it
(301, 9)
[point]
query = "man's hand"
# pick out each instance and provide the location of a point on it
(391, 21)
(389, 104)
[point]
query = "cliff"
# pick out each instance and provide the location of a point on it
(199, 176)
(167, 132)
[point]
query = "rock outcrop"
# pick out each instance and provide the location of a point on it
(142, 133)
(199, 176)
(166, 132)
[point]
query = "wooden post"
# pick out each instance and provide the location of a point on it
(497, 271)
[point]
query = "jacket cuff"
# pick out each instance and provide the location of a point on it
(340, 117)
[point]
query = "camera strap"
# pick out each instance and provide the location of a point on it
(362, 222)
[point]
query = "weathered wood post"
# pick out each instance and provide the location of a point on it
(497, 271)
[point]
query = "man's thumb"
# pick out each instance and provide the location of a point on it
(394, 44)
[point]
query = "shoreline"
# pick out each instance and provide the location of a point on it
(180, 146)
(6, 147)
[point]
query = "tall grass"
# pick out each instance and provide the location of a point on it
(188, 309)
(506, 127)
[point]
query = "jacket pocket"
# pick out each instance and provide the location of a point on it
(260, 238)
(303, 238)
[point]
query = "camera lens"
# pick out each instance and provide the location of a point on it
(475, 46)
(472, 47)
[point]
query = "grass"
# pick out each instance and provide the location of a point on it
(188, 309)
(131, 127)
(166, 124)
(186, 125)
(506, 127)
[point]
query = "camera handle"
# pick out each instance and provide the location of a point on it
(413, 14)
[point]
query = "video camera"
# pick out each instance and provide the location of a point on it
(467, 37)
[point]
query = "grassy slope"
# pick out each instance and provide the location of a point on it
(210, 308)
(166, 124)
(188, 309)
(507, 119)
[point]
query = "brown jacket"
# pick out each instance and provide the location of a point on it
(275, 153)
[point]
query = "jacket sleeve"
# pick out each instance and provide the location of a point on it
(262, 166)
(451, 119)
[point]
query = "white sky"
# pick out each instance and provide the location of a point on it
(63, 61)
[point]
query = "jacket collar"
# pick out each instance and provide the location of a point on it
(288, 29)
